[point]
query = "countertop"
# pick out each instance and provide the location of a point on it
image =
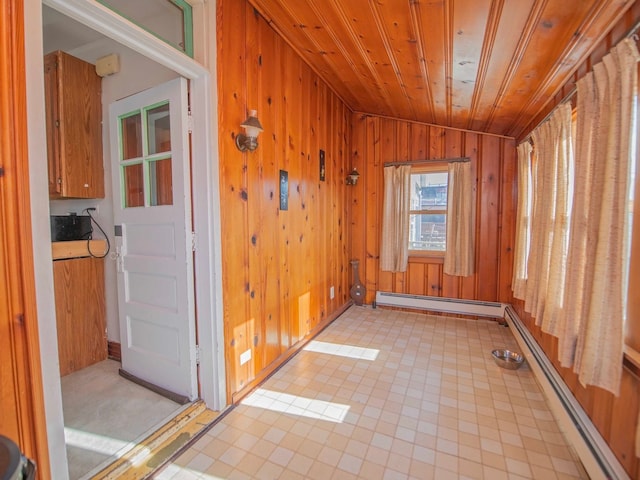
(77, 249)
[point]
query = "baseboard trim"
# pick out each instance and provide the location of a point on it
(114, 352)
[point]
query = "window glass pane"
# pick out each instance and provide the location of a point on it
(428, 217)
(159, 129)
(161, 183)
(131, 136)
(428, 232)
(166, 19)
(133, 185)
(429, 191)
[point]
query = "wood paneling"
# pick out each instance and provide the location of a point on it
(474, 64)
(22, 417)
(376, 140)
(278, 265)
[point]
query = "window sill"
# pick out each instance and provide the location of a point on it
(427, 257)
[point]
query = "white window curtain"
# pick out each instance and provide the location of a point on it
(546, 266)
(597, 277)
(394, 248)
(523, 215)
(459, 257)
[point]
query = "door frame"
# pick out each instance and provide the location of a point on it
(205, 195)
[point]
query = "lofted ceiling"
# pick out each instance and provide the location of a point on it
(482, 65)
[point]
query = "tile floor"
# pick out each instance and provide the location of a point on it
(384, 394)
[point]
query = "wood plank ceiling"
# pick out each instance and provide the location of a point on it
(483, 65)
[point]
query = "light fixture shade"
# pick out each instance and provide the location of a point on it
(252, 125)
(352, 178)
(249, 139)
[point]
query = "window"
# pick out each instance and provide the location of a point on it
(428, 210)
(169, 20)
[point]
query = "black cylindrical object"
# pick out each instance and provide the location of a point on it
(13, 464)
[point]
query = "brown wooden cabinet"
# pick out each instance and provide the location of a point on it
(80, 312)
(73, 108)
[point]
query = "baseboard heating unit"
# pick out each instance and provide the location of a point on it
(594, 453)
(596, 456)
(441, 304)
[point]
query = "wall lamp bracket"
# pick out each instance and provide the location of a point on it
(352, 178)
(249, 139)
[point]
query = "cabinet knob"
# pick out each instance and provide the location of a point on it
(86, 185)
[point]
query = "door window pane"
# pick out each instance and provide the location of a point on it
(159, 129)
(161, 182)
(133, 185)
(131, 136)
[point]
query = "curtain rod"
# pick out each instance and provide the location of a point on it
(424, 162)
(632, 32)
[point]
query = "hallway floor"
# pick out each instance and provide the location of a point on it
(104, 415)
(394, 395)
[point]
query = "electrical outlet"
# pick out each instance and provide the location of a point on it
(245, 357)
(332, 292)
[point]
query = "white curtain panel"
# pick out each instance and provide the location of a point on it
(459, 257)
(585, 220)
(546, 266)
(394, 245)
(523, 216)
(600, 342)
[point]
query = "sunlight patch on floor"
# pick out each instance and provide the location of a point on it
(295, 405)
(95, 442)
(349, 351)
(176, 472)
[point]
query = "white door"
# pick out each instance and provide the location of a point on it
(152, 217)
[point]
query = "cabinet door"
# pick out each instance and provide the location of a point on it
(52, 115)
(80, 312)
(74, 127)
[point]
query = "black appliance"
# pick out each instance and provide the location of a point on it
(13, 464)
(65, 228)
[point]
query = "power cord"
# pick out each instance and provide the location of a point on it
(90, 235)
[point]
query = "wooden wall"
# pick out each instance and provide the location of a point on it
(376, 140)
(615, 417)
(278, 266)
(22, 416)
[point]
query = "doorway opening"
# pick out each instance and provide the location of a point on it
(103, 376)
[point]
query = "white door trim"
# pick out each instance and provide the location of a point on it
(206, 199)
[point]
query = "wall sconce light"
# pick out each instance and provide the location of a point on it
(249, 139)
(352, 178)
